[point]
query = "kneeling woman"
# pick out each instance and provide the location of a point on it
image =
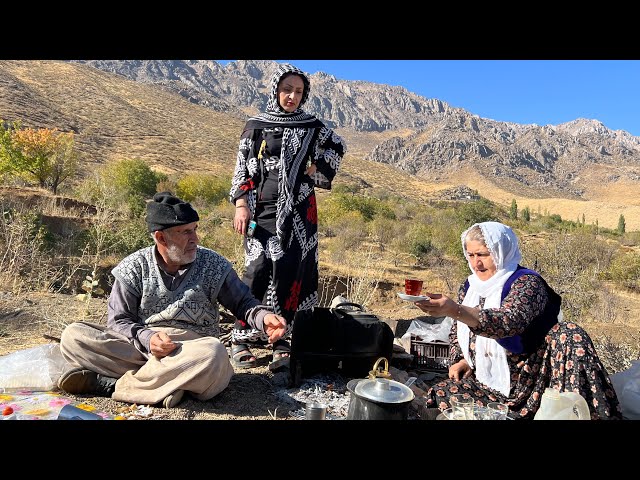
(509, 342)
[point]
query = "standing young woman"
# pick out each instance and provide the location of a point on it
(284, 153)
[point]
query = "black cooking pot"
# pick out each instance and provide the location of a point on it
(378, 399)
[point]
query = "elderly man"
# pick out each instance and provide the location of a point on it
(163, 319)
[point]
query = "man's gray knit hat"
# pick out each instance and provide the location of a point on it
(166, 210)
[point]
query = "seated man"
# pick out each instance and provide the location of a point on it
(163, 319)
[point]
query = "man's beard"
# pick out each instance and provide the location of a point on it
(179, 257)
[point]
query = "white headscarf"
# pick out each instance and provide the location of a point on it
(491, 367)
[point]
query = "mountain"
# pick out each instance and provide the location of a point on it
(550, 159)
(435, 139)
(187, 116)
(114, 118)
(244, 84)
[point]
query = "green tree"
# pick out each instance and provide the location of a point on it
(132, 180)
(477, 211)
(526, 214)
(7, 149)
(513, 212)
(621, 224)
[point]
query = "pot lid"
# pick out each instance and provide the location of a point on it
(384, 390)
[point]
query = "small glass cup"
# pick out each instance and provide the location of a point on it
(482, 413)
(498, 410)
(462, 407)
(315, 411)
(412, 286)
(446, 415)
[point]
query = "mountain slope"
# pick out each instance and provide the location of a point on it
(116, 118)
(425, 137)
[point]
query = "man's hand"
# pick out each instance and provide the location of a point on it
(161, 345)
(275, 326)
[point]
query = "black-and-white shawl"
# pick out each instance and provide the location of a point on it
(304, 137)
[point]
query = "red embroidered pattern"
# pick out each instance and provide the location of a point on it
(312, 211)
(248, 185)
(294, 293)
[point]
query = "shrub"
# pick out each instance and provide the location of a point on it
(419, 241)
(131, 235)
(573, 264)
(625, 270)
(477, 211)
(205, 187)
(383, 230)
(132, 181)
(350, 232)
(225, 241)
(23, 241)
(339, 204)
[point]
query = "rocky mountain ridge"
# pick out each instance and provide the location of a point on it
(244, 84)
(549, 158)
(442, 138)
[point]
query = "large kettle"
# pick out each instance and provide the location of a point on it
(377, 397)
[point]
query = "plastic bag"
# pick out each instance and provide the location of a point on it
(427, 331)
(627, 387)
(37, 369)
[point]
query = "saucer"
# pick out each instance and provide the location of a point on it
(412, 298)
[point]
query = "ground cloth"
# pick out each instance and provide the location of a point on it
(34, 405)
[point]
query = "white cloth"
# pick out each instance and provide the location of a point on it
(491, 366)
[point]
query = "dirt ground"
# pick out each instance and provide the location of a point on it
(253, 394)
(31, 319)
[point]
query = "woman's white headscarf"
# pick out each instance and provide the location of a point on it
(491, 366)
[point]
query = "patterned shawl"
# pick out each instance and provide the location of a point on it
(275, 114)
(298, 134)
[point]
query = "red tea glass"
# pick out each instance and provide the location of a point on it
(412, 286)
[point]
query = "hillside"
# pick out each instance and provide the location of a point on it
(116, 118)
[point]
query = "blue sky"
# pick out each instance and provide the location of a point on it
(521, 91)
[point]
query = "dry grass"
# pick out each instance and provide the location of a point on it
(604, 204)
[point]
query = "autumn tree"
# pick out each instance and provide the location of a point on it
(44, 155)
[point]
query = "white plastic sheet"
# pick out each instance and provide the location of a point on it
(36, 369)
(427, 331)
(627, 387)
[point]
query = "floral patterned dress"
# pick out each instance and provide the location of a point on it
(567, 360)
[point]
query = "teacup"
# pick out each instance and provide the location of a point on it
(412, 286)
